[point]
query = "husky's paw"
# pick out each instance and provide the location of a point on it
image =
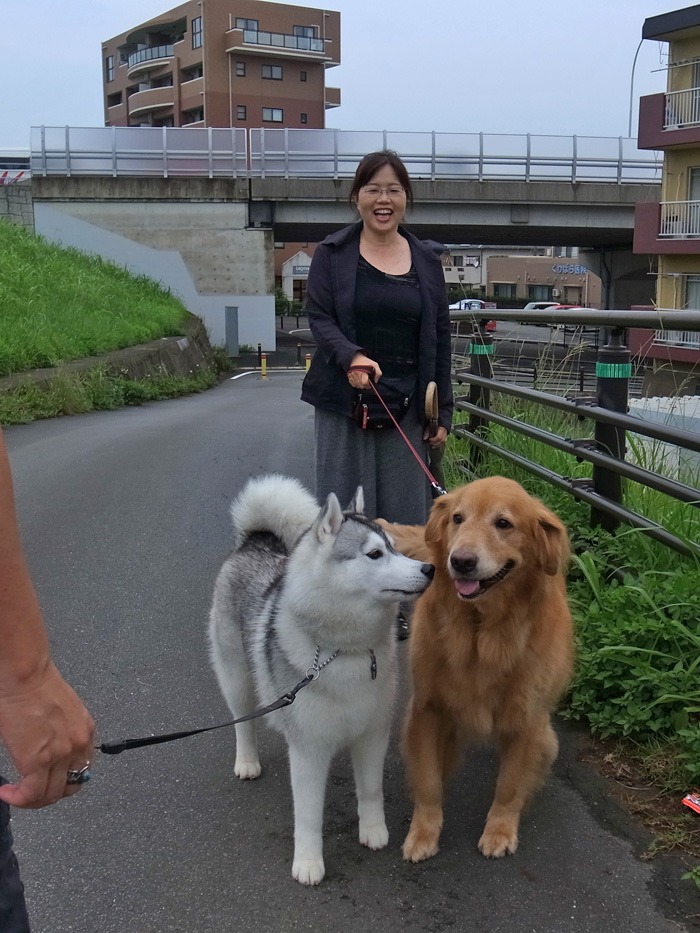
(308, 870)
(247, 770)
(374, 835)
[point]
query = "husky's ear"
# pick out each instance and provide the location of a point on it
(329, 519)
(357, 503)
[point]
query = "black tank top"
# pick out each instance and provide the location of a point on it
(387, 315)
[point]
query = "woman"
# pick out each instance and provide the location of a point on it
(376, 300)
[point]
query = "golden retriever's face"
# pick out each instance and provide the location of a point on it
(491, 531)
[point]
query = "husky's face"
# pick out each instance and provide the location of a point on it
(362, 559)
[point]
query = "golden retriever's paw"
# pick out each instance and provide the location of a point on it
(247, 770)
(420, 845)
(308, 870)
(374, 835)
(498, 841)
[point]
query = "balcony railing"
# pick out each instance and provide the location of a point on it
(680, 219)
(284, 41)
(150, 54)
(682, 109)
(678, 338)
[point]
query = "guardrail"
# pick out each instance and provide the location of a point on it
(298, 153)
(606, 408)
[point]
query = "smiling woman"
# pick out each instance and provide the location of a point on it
(377, 308)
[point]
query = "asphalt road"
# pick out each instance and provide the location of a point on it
(124, 518)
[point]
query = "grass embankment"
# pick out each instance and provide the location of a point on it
(59, 305)
(636, 606)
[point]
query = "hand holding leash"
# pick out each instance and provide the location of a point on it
(363, 371)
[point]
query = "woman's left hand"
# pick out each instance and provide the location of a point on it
(439, 438)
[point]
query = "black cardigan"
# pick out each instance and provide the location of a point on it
(330, 295)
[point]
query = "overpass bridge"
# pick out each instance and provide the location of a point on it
(221, 197)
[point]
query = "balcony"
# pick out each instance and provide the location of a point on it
(668, 228)
(150, 99)
(149, 58)
(668, 121)
(332, 98)
(276, 43)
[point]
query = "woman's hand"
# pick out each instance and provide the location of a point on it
(440, 437)
(359, 379)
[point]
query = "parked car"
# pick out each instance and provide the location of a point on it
(470, 304)
(539, 306)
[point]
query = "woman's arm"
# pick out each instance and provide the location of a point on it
(44, 726)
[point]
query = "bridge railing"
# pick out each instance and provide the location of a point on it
(215, 152)
(315, 153)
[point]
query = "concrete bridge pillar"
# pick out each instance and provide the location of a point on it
(628, 278)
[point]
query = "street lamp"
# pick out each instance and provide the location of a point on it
(634, 63)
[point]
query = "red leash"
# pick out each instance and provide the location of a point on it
(433, 482)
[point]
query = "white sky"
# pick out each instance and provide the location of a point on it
(547, 67)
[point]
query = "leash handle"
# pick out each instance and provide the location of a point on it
(121, 745)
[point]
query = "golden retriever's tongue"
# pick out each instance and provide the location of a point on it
(466, 587)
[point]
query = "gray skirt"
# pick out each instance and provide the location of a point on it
(394, 485)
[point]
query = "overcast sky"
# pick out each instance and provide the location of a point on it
(548, 67)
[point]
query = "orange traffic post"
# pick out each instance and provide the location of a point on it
(263, 366)
(308, 360)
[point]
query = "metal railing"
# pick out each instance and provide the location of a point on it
(607, 409)
(682, 108)
(213, 152)
(150, 54)
(298, 153)
(680, 218)
(284, 40)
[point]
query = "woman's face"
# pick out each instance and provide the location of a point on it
(381, 203)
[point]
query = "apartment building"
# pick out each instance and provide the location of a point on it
(670, 228)
(239, 63)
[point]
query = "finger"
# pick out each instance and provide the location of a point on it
(29, 793)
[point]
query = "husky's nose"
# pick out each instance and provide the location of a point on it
(464, 562)
(428, 570)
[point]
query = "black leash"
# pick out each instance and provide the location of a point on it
(121, 745)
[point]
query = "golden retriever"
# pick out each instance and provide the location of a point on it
(491, 652)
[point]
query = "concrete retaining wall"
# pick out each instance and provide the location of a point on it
(16, 204)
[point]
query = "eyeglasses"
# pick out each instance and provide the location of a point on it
(393, 191)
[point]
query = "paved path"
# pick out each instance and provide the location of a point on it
(124, 516)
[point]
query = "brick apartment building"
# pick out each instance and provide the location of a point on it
(240, 63)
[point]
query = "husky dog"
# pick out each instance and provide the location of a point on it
(309, 590)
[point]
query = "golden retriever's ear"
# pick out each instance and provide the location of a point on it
(553, 542)
(434, 530)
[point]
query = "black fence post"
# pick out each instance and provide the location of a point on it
(260, 354)
(613, 371)
(481, 349)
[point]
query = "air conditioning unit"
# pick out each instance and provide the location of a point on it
(556, 292)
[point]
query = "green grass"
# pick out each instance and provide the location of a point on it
(58, 305)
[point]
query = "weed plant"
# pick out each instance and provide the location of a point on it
(60, 305)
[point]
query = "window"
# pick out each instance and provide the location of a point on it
(304, 118)
(197, 32)
(272, 114)
(692, 291)
(246, 24)
(540, 292)
(302, 76)
(274, 72)
(240, 69)
(113, 100)
(503, 290)
(240, 112)
(308, 32)
(109, 68)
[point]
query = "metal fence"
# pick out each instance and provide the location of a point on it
(298, 153)
(607, 408)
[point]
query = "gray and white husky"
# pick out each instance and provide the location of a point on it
(310, 589)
